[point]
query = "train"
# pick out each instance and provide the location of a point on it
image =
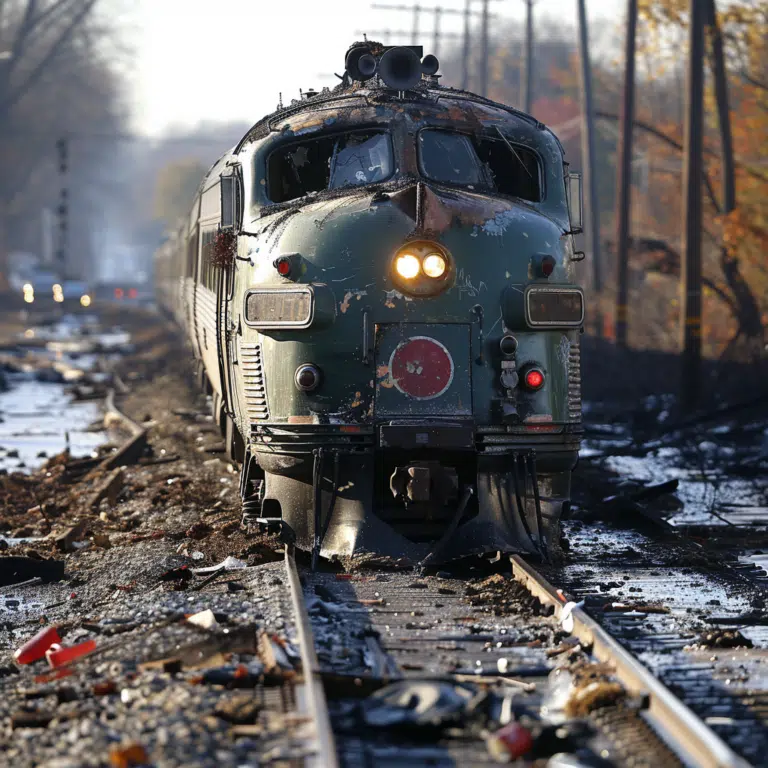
(378, 284)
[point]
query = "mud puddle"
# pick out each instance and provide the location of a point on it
(39, 417)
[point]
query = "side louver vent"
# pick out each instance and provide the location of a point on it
(574, 382)
(253, 383)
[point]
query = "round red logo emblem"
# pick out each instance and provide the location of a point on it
(421, 367)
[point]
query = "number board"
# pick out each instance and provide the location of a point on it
(562, 307)
(270, 308)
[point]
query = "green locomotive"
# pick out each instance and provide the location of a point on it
(378, 284)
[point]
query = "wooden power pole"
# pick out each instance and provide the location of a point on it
(624, 175)
(693, 172)
(528, 58)
(588, 150)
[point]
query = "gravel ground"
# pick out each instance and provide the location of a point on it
(157, 688)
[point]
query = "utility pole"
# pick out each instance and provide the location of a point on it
(528, 59)
(438, 35)
(693, 171)
(588, 152)
(62, 148)
(484, 50)
(465, 47)
(415, 34)
(436, 31)
(624, 174)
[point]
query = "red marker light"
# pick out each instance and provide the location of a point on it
(283, 266)
(534, 379)
(132, 293)
(547, 266)
(118, 293)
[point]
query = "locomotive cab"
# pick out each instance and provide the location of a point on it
(395, 317)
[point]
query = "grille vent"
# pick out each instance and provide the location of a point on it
(253, 382)
(574, 382)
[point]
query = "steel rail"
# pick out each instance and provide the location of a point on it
(674, 721)
(317, 706)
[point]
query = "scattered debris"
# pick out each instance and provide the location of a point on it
(58, 655)
(128, 755)
(204, 619)
(419, 704)
(35, 648)
(509, 742)
(14, 569)
(724, 638)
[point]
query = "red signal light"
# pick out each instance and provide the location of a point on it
(118, 293)
(283, 266)
(534, 379)
(132, 293)
(547, 266)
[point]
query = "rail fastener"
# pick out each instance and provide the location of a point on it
(670, 717)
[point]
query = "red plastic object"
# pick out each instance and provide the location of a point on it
(60, 656)
(36, 647)
(515, 739)
(534, 379)
(283, 266)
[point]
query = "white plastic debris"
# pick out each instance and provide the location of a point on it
(227, 564)
(566, 617)
(204, 619)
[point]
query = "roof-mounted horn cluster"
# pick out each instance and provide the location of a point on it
(398, 67)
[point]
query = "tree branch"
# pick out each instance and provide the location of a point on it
(674, 143)
(753, 81)
(53, 51)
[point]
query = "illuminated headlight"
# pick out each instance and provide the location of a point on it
(85, 300)
(434, 265)
(27, 288)
(407, 266)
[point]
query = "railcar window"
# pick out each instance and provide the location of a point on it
(514, 170)
(449, 157)
(329, 162)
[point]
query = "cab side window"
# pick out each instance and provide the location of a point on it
(514, 170)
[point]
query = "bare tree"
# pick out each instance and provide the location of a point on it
(54, 82)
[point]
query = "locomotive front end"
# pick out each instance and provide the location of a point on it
(405, 326)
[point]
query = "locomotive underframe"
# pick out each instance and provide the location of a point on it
(331, 489)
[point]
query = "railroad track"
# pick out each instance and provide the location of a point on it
(500, 636)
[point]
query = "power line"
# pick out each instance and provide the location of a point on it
(438, 12)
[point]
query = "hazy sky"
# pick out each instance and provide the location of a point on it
(223, 60)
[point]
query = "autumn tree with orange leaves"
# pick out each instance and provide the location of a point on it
(736, 199)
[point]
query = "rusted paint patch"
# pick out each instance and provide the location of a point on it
(348, 296)
(390, 297)
(437, 216)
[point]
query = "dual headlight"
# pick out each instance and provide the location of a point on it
(409, 266)
(422, 268)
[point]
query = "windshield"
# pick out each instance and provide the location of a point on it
(455, 158)
(329, 162)
(449, 157)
